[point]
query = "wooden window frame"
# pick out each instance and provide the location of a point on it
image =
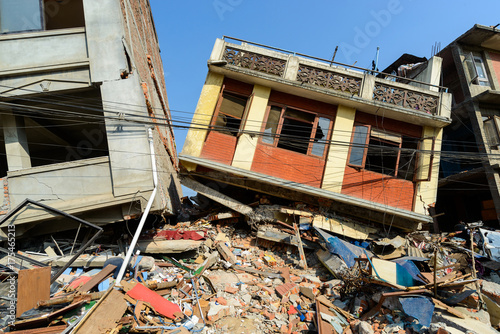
(217, 111)
(367, 140)
(416, 177)
(279, 128)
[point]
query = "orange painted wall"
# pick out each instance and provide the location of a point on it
(378, 188)
(495, 60)
(219, 147)
(288, 165)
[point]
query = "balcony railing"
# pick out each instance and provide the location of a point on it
(332, 76)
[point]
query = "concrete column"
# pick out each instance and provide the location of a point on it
(218, 50)
(202, 117)
(292, 67)
(339, 149)
(16, 144)
(247, 143)
(367, 87)
(426, 191)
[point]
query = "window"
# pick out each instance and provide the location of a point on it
(476, 68)
(35, 15)
(20, 15)
(383, 152)
(229, 113)
(296, 130)
(492, 127)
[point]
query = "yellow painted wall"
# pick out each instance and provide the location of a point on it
(337, 154)
(427, 190)
(247, 143)
(202, 117)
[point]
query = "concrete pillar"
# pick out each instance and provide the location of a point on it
(202, 117)
(218, 50)
(426, 191)
(247, 143)
(367, 87)
(339, 149)
(292, 67)
(16, 144)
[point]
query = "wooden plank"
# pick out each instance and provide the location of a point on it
(450, 309)
(105, 315)
(33, 285)
(303, 261)
(97, 278)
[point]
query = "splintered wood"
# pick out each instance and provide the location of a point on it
(105, 314)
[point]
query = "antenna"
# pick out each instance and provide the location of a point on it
(334, 54)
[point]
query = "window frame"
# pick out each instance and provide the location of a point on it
(495, 126)
(418, 158)
(244, 115)
(472, 61)
(314, 129)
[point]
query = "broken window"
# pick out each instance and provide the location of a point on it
(296, 130)
(35, 15)
(477, 71)
(229, 113)
(383, 152)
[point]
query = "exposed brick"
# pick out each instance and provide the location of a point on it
(285, 289)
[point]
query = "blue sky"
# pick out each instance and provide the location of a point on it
(187, 31)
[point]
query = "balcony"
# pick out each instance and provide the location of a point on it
(34, 62)
(416, 101)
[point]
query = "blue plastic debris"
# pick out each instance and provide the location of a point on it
(420, 308)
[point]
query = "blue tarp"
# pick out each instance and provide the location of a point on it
(420, 308)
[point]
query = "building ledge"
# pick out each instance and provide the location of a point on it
(490, 96)
(409, 216)
(59, 166)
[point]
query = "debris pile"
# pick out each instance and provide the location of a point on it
(293, 274)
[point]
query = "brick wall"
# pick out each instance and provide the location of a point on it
(6, 200)
(219, 147)
(495, 60)
(378, 188)
(145, 61)
(288, 165)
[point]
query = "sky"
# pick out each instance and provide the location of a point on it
(187, 31)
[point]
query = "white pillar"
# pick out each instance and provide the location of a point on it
(16, 144)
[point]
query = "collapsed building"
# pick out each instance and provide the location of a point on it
(357, 147)
(82, 96)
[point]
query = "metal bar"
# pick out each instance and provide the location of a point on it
(82, 249)
(73, 246)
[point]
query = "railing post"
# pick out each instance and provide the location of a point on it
(367, 87)
(292, 67)
(218, 50)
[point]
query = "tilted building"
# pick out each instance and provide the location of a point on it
(310, 130)
(470, 185)
(81, 86)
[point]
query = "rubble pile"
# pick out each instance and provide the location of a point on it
(213, 274)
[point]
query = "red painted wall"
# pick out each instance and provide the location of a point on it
(288, 165)
(219, 147)
(495, 60)
(378, 188)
